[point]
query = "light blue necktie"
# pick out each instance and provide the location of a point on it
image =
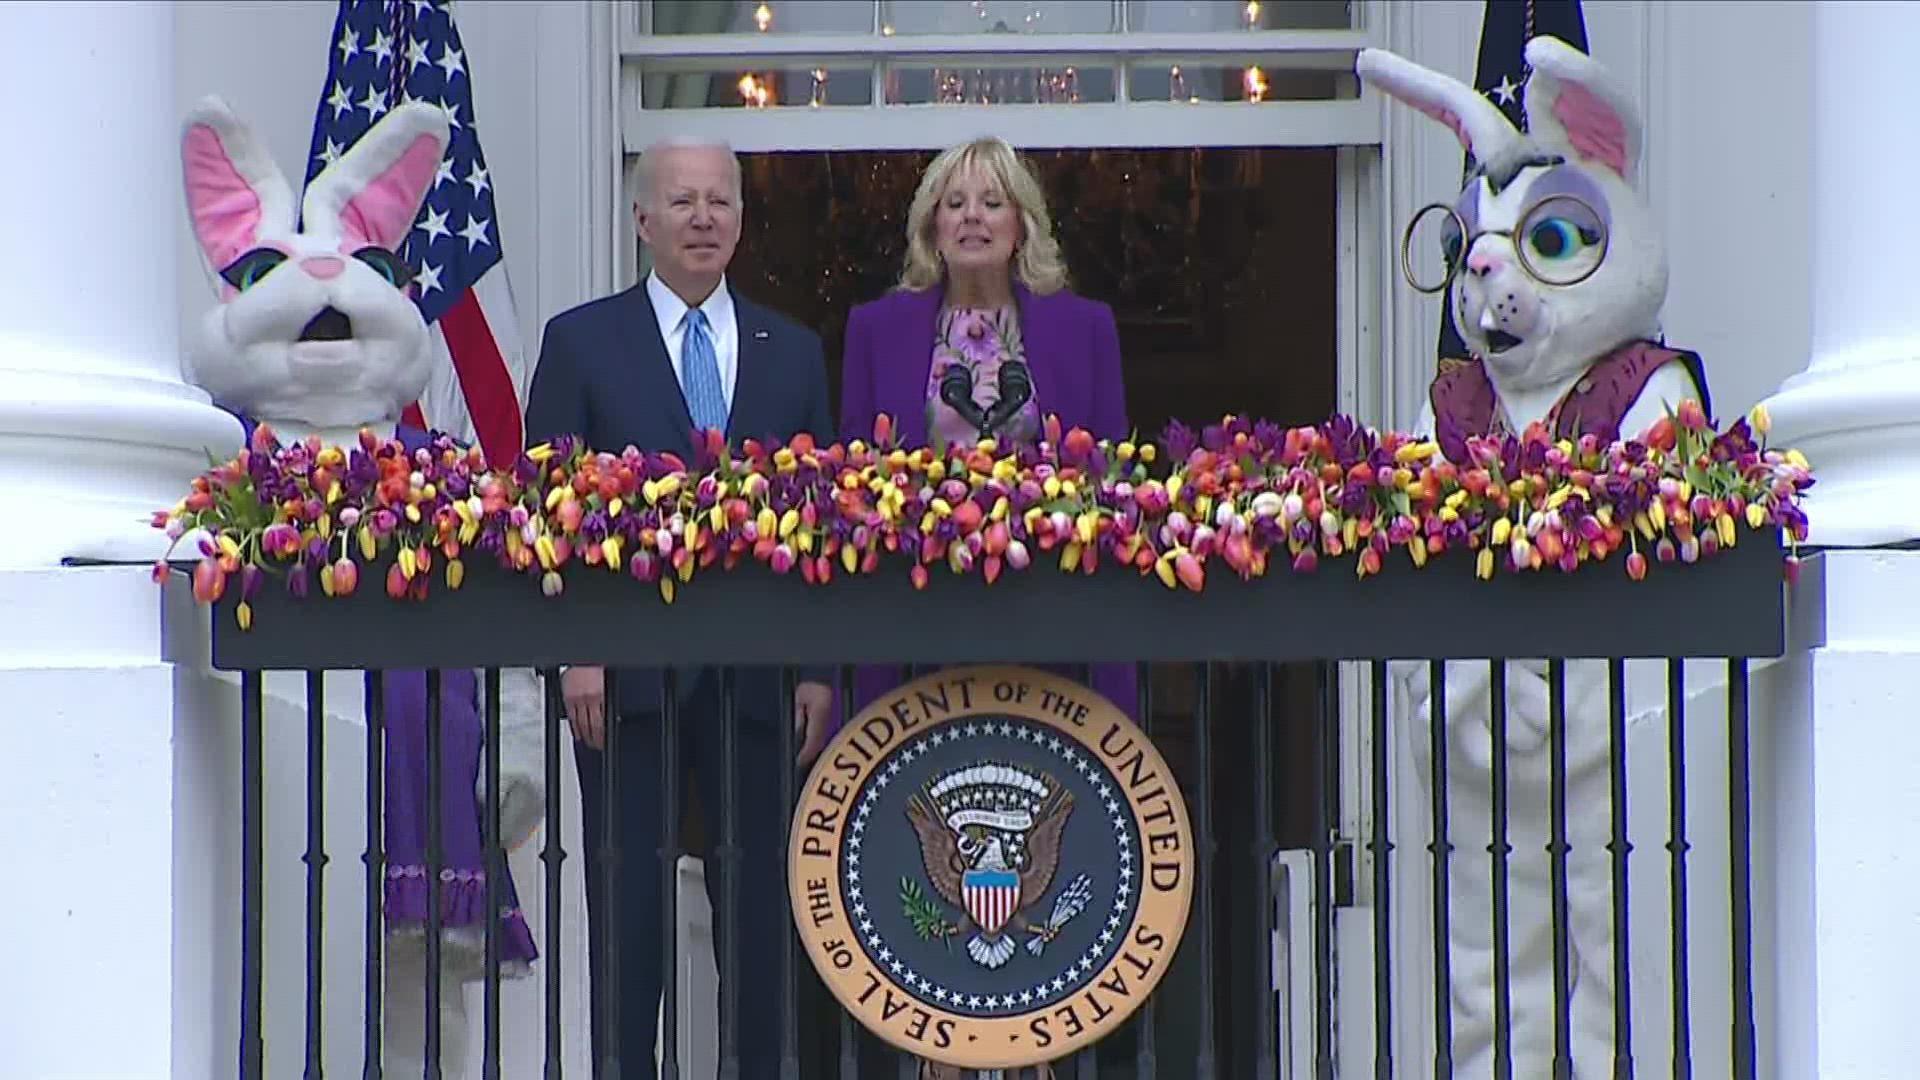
(700, 375)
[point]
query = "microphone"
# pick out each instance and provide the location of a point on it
(956, 389)
(1016, 389)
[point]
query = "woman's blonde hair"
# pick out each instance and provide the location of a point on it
(1036, 259)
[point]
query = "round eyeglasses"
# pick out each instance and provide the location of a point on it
(1561, 241)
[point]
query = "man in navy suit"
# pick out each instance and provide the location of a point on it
(647, 367)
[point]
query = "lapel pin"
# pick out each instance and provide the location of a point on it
(759, 335)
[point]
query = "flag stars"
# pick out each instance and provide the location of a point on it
(349, 45)
(339, 100)
(1505, 90)
(429, 278)
(330, 153)
(444, 174)
(434, 224)
(416, 55)
(475, 233)
(453, 62)
(375, 103)
(382, 47)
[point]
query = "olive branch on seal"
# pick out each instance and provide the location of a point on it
(928, 920)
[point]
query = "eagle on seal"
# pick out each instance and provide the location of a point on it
(993, 876)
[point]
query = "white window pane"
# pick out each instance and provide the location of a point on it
(1210, 16)
(998, 17)
(762, 16)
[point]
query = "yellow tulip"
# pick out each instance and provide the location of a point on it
(685, 569)
(1657, 514)
(1502, 530)
(666, 587)
(941, 508)
(244, 615)
(326, 526)
(1070, 557)
(1163, 567)
(367, 547)
(718, 516)
(1051, 487)
(1797, 459)
(1001, 507)
(326, 579)
(456, 573)
(407, 563)
(1483, 565)
(541, 454)
(1084, 528)
(1417, 547)
(766, 522)
(1723, 524)
(1756, 514)
(788, 522)
(610, 551)
(803, 541)
(849, 558)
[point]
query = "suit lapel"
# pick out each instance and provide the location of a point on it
(1039, 335)
(755, 389)
(659, 390)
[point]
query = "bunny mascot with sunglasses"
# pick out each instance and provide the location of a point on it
(1556, 273)
(316, 334)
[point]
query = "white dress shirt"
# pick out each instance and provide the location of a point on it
(722, 328)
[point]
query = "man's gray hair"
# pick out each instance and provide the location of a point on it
(639, 173)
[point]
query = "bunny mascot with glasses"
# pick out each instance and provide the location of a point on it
(1556, 272)
(316, 334)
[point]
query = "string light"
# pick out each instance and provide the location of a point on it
(1253, 14)
(755, 92)
(763, 17)
(819, 96)
(1255, 81)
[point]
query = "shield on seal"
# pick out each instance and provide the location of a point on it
(992, 896)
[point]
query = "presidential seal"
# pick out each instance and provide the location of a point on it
(991, 867)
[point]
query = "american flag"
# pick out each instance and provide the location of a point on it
(1501, 74)
(383, 53)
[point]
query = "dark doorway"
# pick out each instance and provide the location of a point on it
(1220, 267)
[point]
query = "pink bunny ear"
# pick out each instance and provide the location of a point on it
(1574, 106)
(235, 193)
(372, 193)
(1483, 130)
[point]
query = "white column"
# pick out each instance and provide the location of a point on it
(97, 430)
(1855, 411)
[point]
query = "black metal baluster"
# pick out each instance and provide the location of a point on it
(1382, 848)
(789, 960)
(1557, 851)
(316, 860)
(908, 1065)
(849, 1031)
(1499, 849)
(1086, 1063)
(551, 858)
(1265, 1060)
(496, 864)
(612, 856)
(1740, 838)
(1441, 850)
(729, 866)
(669, 853)
(1145, 1061)
(436, 857)
(1619, 846)
(1326, 749)
(1677, 848)
(1205, 1063)
(375, 860)
(252, 878)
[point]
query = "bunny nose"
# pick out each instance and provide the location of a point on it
(323, 266)
(1484, 263)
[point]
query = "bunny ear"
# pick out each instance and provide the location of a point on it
(372, 193)
(1480, 125)
(1574, 106)
(235, 193)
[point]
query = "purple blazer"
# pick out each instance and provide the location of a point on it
(1073, 352)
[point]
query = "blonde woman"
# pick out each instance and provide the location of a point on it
(983, 338)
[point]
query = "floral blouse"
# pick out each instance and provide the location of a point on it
(979, 360)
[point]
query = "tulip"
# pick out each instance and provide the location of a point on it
(1483, 564)
(918, 575)
(209, 582)
(1306, 562)
(1017, 555)
(783, 558)
(1636, 566)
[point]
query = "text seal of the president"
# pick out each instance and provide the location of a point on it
(991, 867)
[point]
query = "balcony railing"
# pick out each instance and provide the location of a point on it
(1251, 675)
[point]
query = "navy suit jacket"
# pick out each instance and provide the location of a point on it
(604, 376)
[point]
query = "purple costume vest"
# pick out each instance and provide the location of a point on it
(1464, 404)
